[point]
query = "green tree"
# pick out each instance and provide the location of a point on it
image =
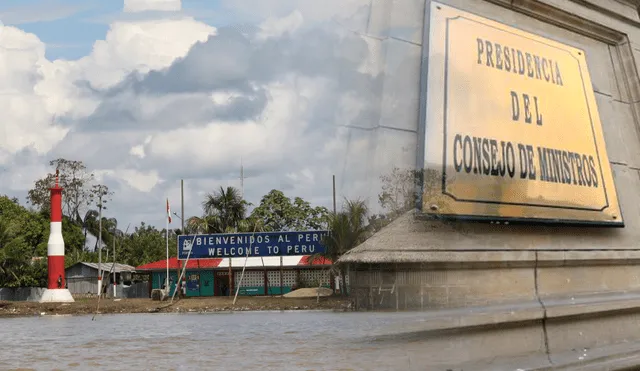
(347, 229)
(19, 260)
(90, 224)
(31, 226)
(23, 245)
(101, 195)
(146, 244)
(12, 255)
(196, 224)
(398, 193)
(278, 213)
(74, 241)
(223, 210)
(10, 208)
(250, 225)
(76, 182)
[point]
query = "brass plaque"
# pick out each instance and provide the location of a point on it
(512, 129)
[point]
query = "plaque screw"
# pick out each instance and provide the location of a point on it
(615, 217)
(438, 7)
(434, 207)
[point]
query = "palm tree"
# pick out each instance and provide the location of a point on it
(195, 224)
(203, 224)
(347, 229)
(224, 209)
(90, 224)
(109, 226)
(250, 225)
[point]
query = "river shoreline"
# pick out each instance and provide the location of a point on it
(85, 306)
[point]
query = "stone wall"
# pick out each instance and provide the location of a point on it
(609, 32)
(21, 293)
(552, 290)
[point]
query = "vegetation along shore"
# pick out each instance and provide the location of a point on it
(90, 306)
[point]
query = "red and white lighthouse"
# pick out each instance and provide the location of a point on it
(56, 291)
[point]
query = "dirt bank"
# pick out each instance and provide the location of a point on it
(198, 305)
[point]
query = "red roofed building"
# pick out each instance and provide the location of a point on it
(262, 276)
(174, 264)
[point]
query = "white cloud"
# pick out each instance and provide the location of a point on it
(140, 46)
(275, 27)
(36, 92)
(314, 11)
(139, 181)
(146, 5)
(138, 150)
(27, 118)
(159, 100)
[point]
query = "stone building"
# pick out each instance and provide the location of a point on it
(523, 270)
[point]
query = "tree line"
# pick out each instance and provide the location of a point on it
(24, 229)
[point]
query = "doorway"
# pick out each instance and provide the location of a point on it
(221, 284)
(193, 284)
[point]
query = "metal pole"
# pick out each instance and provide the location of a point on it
(241, 276)
(281, 289)
(114, 263)
(241, 179)
(334, 203)
(182, 228)
(166, 233)
(230, 277)
(100, 243)
(186, 261)
(334, 194)
(184, 271)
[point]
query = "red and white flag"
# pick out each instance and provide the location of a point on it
(168, 211)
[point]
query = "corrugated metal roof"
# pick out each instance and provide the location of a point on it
(107, 267)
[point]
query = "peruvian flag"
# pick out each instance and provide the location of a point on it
(168, 211)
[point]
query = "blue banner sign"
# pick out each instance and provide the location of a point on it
(236, 245)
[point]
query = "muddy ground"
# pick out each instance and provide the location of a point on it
(197, 305)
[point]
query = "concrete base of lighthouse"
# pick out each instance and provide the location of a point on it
(56, 296)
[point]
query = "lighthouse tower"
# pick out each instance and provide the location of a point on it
(56, 291)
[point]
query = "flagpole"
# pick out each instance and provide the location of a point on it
(167, 238)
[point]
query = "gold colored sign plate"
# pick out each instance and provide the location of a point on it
(512, 129)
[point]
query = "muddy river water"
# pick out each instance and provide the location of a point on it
(219, 341)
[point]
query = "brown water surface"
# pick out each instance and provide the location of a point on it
(219, 341)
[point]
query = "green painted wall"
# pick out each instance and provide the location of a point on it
(251, 291)
(206, 283)
(159, 278)
(199, 283)
(276, 290)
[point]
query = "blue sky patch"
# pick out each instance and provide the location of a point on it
(69, 28)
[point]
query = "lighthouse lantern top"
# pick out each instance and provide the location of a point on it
(56, 187)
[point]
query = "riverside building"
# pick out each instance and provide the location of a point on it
(262, 276)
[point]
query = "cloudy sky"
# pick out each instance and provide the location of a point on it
(146, 92)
